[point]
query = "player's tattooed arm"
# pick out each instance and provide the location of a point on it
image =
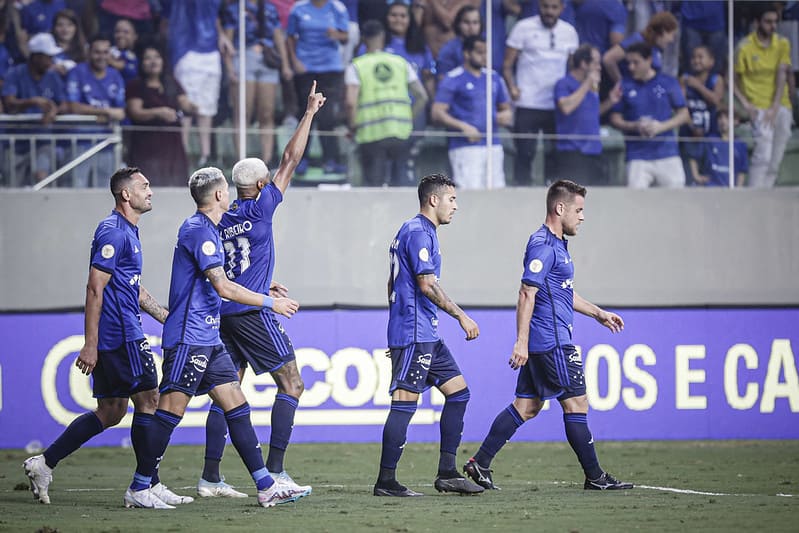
(150, 305)
(429, 286)
(231, 290)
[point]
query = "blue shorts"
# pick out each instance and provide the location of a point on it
(420, 366)
(257, 339)
(556, 374)
(195, 370)
(123, 372)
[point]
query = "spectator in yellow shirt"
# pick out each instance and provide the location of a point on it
(761, 68)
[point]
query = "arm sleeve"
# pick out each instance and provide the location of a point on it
(269, 199)
(785, 51)
(10, 85)
(501, 89)
(618, 18)
(675, 94)
(742, 159)
(516, 37)
(119, 98)
(292, 29)
(446, 91)
(108, 245)
(351, 75)
(412, 75)
(205, 247)
(342, 17)
(419, 250)
(73, 86)
(538, 262)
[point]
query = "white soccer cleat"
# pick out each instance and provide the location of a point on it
(277, 493)
(206, 489)
(40, 476)
(167, 496)
(297, 491)
(145, 499)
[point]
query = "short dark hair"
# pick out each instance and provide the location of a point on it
(470, 42)
(432, 184)
(121, 178)
(372, 28)
(582, 55)
(642, 49)
(456, 24)
(563, 191)
(100, 37)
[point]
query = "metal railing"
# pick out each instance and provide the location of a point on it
(67, 142)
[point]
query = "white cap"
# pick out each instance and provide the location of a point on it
(43, 43)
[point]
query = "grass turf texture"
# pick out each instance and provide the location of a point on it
(541, 482)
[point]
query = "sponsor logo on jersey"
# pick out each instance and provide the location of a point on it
(209, 248)
(536, 266)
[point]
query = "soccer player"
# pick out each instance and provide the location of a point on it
(195, 360)
(419, 358)
(115, 352)
(251, 334)
(550, 367)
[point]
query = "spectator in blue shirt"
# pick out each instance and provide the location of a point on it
(658, 34)
(652, 105)
(577, 112)
(710, 166)
(70, 38)
(35, 88)
(460, 105)
(467, 24)
(601, 23)
(95, 88)
(123, 55)
(704, 23)
(315, 31)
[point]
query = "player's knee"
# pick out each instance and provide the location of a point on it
(111, 413)
(528, 409)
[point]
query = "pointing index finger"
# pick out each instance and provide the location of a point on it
(313, 88)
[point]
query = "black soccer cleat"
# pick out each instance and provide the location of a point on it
(454, 482)
(480, 475)
(606, 482)
(395, 489)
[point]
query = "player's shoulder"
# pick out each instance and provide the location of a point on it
(455, 73)
(541, 238)
(339, 6)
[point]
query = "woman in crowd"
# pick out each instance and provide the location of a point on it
(155, 105)
(69, 37)
(263, 34)
(658, 34)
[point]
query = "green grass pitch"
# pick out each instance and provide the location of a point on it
(681, 486)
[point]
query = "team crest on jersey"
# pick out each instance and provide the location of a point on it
(424, 255)
(107, 251)
(209, 248)
(536, 266)
(199, 361)
(424, 360)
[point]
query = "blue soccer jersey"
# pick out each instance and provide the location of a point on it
(465, 94)
(271, 18)
(703, 113)
(715, 160)
(658, 98)
(84, 87)
(192, 26)
(37, 16)
(19, 82)
(309, 24)
(246, 232)
(548, 266)
(116, 250)
(582, 121)
(193, 302)
(412, 318)
(450, 56)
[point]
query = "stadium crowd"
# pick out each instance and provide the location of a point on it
(395, 71)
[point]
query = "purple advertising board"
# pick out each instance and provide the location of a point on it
(671, 374)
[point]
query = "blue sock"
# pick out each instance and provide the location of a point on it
(451, 426)
(505, 425)
(215, 439)
(282, 423)
(582, 443)
(157, 439)
(77, 433)
(246, 442)
(139, 431)
(394, 433)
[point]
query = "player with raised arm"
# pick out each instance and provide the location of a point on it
(252, 335)
(419, 358)
(115, 351)
(550, 366)
(195, 360)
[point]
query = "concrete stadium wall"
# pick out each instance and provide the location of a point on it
(636, 248)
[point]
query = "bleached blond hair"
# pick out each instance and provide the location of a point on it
(248, 172)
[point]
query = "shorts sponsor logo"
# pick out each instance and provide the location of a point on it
(209, 248)
(536, 266)
(144, 346)
(199, 362)
(107, 251)
(425, 359)
(575, 358)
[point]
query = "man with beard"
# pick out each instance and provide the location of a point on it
(549, 365)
